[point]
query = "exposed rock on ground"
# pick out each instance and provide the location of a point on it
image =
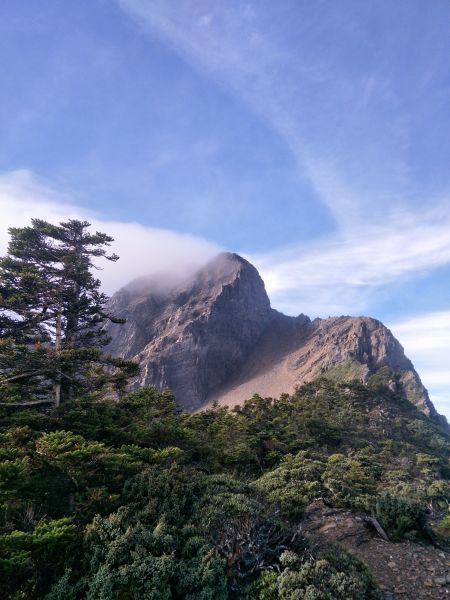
(404, 570)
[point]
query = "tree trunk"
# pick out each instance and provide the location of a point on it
(57, 384)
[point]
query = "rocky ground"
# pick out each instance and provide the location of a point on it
(404, 570)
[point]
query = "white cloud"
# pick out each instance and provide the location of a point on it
(142, 250)
(426, 339)
(340, 274)
(334, 275)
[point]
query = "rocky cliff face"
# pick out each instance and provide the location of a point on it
(192, 338)
(216, 338)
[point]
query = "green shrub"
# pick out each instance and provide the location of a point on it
(348, 481)
(335, 575)
(444, 526)
(293, 485)
(401, 518)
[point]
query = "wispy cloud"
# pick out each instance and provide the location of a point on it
(142, 250)
(329, 83)
(426, 339)
(341, 274)
(347, 127)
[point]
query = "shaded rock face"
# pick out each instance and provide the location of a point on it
(215, 338)
(193, 337)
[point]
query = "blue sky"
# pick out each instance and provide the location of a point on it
(311, 137)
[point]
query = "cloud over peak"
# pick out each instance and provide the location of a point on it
(143, 250)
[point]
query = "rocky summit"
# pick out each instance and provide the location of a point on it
(215, 338)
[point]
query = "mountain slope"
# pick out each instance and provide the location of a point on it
(341, 348)
(215, 338)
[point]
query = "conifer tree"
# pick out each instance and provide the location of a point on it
(52, 313)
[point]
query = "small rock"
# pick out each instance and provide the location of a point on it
(440, 580)
(392, 565)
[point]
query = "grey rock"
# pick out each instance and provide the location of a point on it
(215, 337)
(193, 337)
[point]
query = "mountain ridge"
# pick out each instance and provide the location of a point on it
(215, 338)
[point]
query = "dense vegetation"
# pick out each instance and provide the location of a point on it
(134, 499)
(123, 496)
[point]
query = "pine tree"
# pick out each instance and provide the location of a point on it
(52, 314)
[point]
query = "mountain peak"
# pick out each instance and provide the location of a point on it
(214, 338)
(224, 269)
(193, 336)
